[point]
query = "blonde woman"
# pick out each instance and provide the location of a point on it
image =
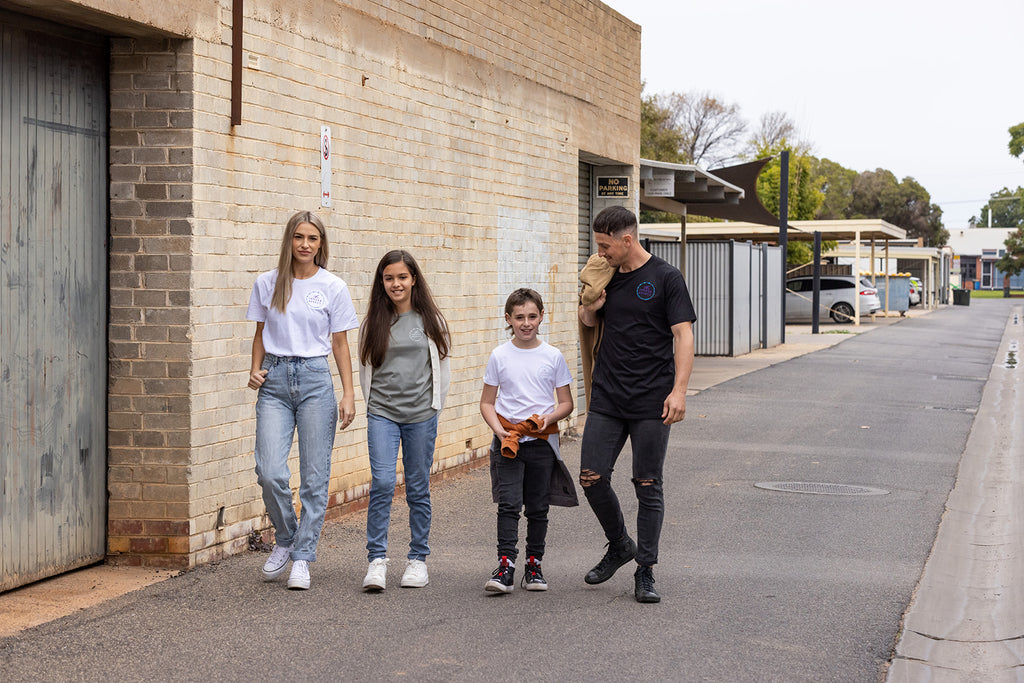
(302, 314)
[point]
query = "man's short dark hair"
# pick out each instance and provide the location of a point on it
(615, 220)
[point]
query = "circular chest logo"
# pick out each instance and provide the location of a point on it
(645, 291)
(316, 299)
(416, 334)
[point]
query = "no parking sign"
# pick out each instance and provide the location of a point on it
(325, 165)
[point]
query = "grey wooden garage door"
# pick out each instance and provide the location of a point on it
(53, 299)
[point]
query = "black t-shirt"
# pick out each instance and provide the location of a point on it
(635, 367)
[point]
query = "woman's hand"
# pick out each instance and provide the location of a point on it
(257, 378)
(347, 410)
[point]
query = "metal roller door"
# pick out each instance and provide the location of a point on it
(53, 299)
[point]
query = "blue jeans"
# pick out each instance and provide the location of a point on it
(417, 440)
(297, 392)
(603, 439)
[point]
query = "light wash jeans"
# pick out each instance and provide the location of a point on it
(297, 392)
(417, 439)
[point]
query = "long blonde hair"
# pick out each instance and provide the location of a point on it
(285, 275)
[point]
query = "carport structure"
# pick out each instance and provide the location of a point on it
(934, 263)
(856, 232)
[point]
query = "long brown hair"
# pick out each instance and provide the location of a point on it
(285, 275)
(381, 315)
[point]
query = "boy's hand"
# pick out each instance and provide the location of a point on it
(501, 433)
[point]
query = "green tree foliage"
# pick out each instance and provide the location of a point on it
(660, 140)
(1006, 208)
(804, 197)
(835, 183)
(1017, 140)
(878, 194)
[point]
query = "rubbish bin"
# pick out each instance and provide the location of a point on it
(961, 297)
(898, 292)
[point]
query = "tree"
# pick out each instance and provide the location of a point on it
(1017, 140)
(1012, 262)
(1006, 208)
(660, 140)
(774, 129)
(835, 183)
(878, 194)
(804, 196)
(711, 129)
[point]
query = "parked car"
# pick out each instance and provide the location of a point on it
(916, 287)
(837, 292)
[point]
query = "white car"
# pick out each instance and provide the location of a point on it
(836, 292)
(915, 291)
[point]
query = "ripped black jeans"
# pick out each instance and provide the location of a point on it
(603, 439)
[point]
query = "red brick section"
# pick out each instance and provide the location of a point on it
(151, 104)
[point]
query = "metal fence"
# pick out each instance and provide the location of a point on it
(736, 289)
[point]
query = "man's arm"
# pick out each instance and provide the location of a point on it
(588, 314)
(674, 408)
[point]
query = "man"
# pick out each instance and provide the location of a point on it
(638, 390)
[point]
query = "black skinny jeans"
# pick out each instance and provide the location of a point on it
(523, 481)
(603, 439)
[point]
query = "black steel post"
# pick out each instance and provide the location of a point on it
(816, 297)
(783, 225)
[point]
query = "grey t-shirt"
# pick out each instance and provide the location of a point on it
(402, 387)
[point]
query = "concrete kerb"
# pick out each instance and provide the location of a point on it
(60, 596)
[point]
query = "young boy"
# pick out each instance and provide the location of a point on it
(526, 392)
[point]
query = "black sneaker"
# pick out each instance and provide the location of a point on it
(503, 579)
(618, 554)
(644, 585)
(533, 580)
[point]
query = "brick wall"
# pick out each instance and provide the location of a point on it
(457, 134)
(150, 263)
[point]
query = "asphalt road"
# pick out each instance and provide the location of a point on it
(756, 585)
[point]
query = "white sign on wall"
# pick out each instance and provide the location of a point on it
(661, 185)
(325, 165)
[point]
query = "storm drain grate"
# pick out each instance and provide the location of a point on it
(820, 488)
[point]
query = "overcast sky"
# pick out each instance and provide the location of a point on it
(923, 89)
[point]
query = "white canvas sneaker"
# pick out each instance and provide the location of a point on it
(376, 575)
(276, 563)
(415, 575)
(299, 578)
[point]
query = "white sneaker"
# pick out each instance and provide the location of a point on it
(299, 578)
(276, 563)
(376, 575)
(415, 575)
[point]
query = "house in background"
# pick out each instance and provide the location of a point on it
(978, 250)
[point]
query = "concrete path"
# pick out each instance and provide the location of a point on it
(756, 584)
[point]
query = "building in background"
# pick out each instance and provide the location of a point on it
(978, 250)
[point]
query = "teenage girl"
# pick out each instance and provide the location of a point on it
(404, 374)
(302, 314)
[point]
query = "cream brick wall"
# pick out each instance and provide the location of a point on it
(457, 131)
(457, 144)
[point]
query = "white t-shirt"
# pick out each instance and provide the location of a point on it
(526, 379)
(320, 306)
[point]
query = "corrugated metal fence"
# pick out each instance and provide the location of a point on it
(736, 289)
(53, 299)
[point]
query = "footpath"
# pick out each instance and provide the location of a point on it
(757, 584)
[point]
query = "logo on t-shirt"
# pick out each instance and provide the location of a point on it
(645, 291)
(416, 334)
(316, 299)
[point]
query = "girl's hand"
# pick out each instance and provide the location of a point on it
(347, 410)
(256, 379)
